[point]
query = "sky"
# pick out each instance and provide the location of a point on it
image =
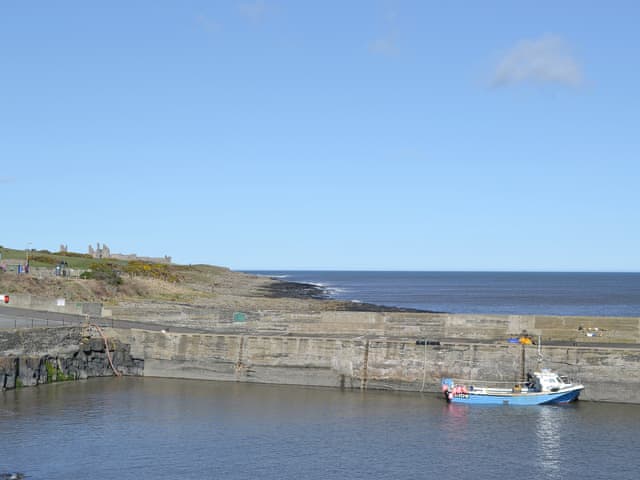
(358, 135)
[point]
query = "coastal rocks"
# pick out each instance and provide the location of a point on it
(8, 369)
(12, 476)
(88, 359)
(22, 371)
(281, 289)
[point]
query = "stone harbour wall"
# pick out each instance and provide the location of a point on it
(44, 355)
(609, 374)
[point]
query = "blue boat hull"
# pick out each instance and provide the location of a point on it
(471, 398)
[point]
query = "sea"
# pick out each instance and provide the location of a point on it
(150, 428)
(518, 293)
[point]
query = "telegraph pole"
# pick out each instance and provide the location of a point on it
(26, 267)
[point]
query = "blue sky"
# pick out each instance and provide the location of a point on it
(273, 134)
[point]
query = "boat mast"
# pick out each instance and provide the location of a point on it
(522, 362)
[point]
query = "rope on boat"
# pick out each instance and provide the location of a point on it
(106, 348)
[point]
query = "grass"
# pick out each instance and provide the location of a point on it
(136, 278)
(42, 258)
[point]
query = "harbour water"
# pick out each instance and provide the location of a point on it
(141, 428)
(520, 293)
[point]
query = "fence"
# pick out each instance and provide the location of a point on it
(20, 318)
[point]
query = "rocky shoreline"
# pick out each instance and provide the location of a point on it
(304, 291)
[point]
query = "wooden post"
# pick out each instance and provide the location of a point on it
(363, 379)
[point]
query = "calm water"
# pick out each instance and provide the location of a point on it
(135, 428)
(596, 294)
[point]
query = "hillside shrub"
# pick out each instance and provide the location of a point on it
(74, 254)
(42, 258)
(106, 272)
(138, 268)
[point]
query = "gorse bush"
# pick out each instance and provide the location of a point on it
(74, 254)
(107, 272)
(160, 271)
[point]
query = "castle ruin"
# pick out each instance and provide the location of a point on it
(104, 252)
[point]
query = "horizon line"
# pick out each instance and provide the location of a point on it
(426, 271)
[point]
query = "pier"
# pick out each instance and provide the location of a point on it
(359, 350)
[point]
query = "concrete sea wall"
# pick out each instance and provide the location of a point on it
(610, 374)
(362, 350)
(47, 304)
(585, 330)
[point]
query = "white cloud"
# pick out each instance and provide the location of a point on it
(544, 60)
(254, 11)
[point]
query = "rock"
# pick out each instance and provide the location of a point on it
(12, 476)
(52, 355)
(97, 344)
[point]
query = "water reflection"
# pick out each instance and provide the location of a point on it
(548, 439)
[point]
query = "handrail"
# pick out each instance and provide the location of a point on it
(483, 383)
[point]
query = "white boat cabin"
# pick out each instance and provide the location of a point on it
(548, 381)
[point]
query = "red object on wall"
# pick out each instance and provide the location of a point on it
(6, 299)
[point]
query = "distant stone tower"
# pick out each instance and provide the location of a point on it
(100, 251)
(63, 248)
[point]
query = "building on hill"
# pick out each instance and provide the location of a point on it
(100, 251)
(104, 252)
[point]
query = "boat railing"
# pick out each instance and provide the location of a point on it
(478, 384)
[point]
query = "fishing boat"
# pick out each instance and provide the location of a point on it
(543, 387)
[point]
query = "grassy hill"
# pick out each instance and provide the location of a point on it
(45, 258)
(104, 279)
(137, 289)
(180, 294)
